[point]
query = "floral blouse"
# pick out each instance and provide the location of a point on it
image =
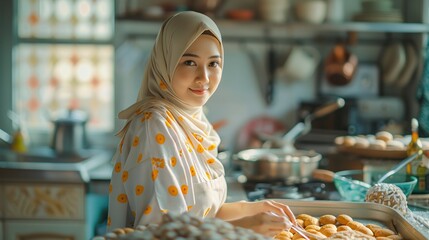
(160, 168)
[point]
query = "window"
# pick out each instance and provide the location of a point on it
(63, 59)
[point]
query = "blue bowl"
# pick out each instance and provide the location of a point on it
(351, 191)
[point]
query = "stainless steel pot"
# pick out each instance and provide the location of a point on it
(69, 135)
(275, 164)
(285, 163)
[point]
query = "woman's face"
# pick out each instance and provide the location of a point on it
(199, 71)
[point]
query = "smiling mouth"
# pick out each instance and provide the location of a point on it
(199, 91)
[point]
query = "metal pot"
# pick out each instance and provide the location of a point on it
(70, 133)
(275, 164)
(285, 163)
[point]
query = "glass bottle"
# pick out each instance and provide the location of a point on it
(415, 146)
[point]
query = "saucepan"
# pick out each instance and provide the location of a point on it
(285, 163)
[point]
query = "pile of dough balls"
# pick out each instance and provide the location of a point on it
(338, 227)
(389, 195)
(184, 226)
(382, 140)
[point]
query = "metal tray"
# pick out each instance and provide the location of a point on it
(360, 211)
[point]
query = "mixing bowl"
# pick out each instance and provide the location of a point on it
(350, 191)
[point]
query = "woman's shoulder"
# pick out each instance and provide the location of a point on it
(151, 113)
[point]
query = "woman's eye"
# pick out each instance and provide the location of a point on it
(189, 63)
(214, 64)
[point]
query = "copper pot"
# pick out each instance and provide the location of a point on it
(340, 66)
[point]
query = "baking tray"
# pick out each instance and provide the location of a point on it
(362, 212)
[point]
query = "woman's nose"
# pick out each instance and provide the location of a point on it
(203, 74)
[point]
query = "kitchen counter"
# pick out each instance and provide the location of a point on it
(42, 164)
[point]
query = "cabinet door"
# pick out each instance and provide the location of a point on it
(46, 230)
(44, 201)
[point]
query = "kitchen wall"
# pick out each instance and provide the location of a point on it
(239, 97)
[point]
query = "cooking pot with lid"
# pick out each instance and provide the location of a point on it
(69, 135)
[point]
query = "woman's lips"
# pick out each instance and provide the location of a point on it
(199, 91)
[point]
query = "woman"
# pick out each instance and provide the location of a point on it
(166, 160)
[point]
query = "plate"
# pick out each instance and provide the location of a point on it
(393, 61)
(409, 68)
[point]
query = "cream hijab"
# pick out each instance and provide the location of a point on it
(175, 36)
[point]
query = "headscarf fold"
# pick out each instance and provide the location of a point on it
(175, 36)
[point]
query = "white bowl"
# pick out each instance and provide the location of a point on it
(311, 11)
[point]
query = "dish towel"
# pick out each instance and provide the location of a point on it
(423, 98)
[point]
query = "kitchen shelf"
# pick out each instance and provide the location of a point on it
(255, 28)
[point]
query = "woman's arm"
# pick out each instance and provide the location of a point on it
(234, 210)
(258, 216)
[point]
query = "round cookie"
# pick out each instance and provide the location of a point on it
(349, 141)
(384, 135)
(378, 144)
(361, 143)
(395, 145)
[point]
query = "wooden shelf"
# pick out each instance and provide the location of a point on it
(255, 28)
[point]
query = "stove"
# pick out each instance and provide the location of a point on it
(312, 190)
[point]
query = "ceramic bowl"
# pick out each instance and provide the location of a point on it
(311, 11)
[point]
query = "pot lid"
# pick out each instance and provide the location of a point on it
(72, 116)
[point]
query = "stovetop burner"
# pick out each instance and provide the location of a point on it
(312, 190)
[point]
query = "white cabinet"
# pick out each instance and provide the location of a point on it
(46, 230)
(48, 211)
(44, 201)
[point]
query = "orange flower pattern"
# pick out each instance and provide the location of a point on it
(174, 172)
(140, 158)
(139, 190)
(136, 141)
(160, 138)
(172, 190)
(211, 147)
(200, 148)
(148, 210)
(192, 170)
(124, 176)
(122, 198)
(154, 174)
(173, 161)
(118, 167)
(184, 189)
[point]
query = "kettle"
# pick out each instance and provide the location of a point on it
(69, 137)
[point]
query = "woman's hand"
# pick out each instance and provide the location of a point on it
(251, 208)
(265, 223)
(265, 217)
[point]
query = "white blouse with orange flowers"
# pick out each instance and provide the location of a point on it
(160, 168)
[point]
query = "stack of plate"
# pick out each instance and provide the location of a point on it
(378, 11)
